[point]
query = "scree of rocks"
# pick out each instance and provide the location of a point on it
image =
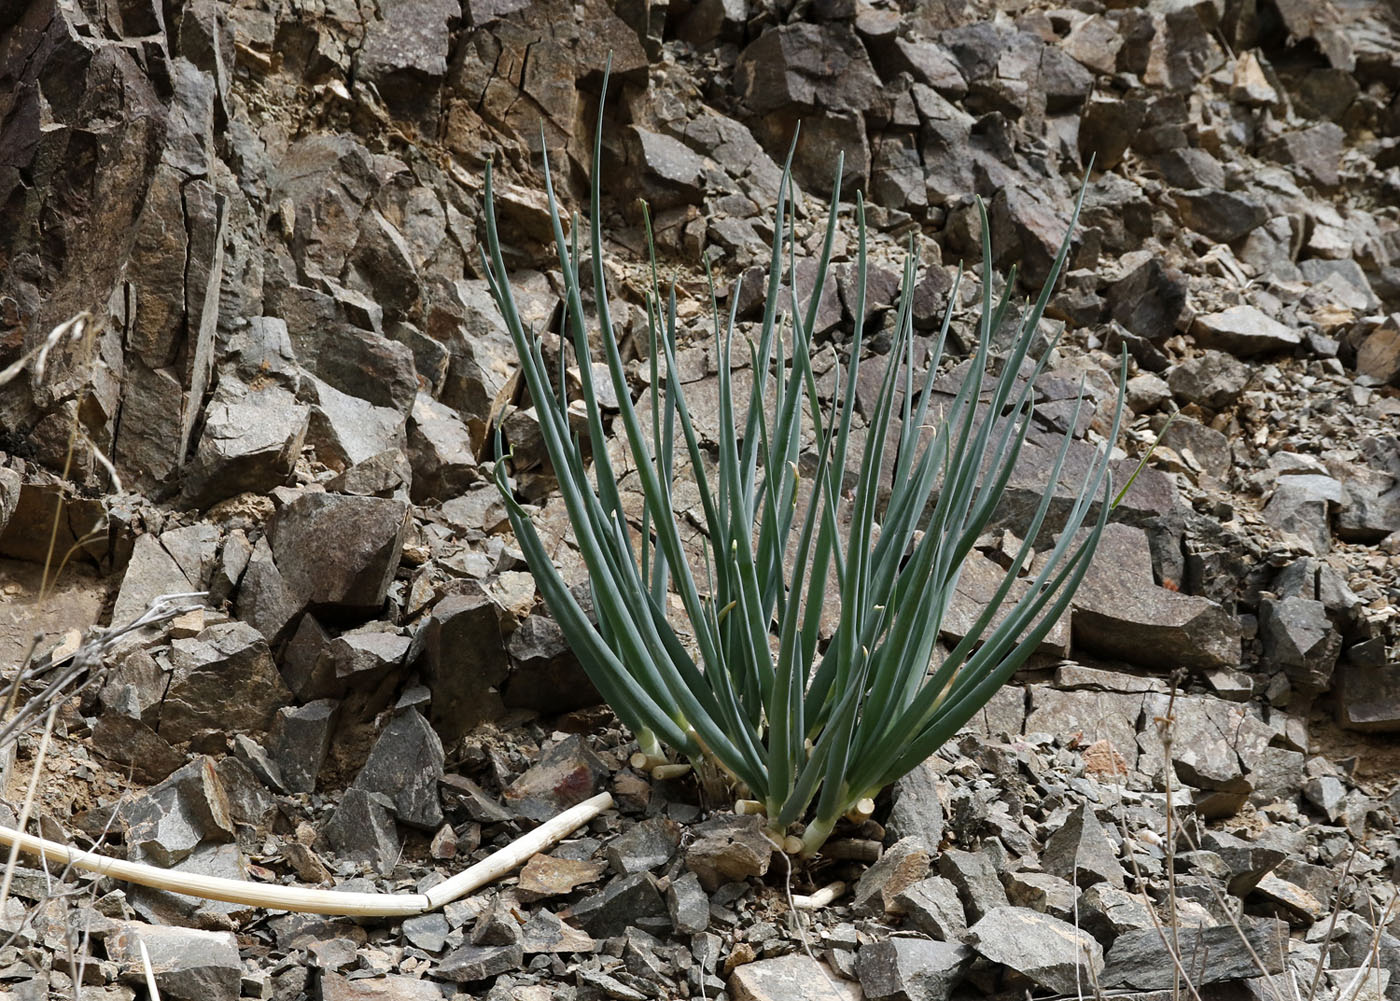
(272, 213)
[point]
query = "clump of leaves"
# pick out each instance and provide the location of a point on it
(809, 732)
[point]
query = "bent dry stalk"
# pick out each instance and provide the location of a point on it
(809, 732)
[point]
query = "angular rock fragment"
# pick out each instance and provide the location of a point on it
(905, 863)
(167, 822)
(1299, 637)
(1302, 505)
(223, 679)
(1223, 216)
(362, 828)
(189, 964)
(728, 849)
(1213, 379)
(251, 440)
(976, 880)
(1243, 331)
(1080, 851)
(356, 570)
(440, 451)
(1120, 611)
(932, 906)
(463, 661)
(264, 599)
(1368, 698)
(626, 901)
(405, 765)
(1138, 958)
(1148, 300)
(905, 969)
(789, 978)
(1051, 953)
(566, 775)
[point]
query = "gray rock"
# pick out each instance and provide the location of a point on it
(903, 864)
(728, 849)
(346, 429)
(546, 675)
(788, 978)
(1148, 300)
(1214, 380)
(394, 987)
(975, 878)
(168, 821)
(647, 845)
(356, 571)
(264, 599)
(1214, 745)
(1302, 505)
(385, 474)
(223, 679)
(1316, 151)
(1120, 611)
(688, 905)
(566, 774)
(932, 906)
(1368, 698)
(151, 571)
(251, 440)
(298, 742)
(362, 828)
(1108, 126)
(405, 765)
(1080, 851)
(1201, 448)
(189, 964)
(1243, 331)
(1139, 958)
(440, 451)
(463, 660)
(1299, 637)
(129, 742)
(908, 969)
(1223, 216)
(469, 963)
(1378, 357)
(1190, 167)
(794, 70)
(1109, 911)
(1049, 952)
(670, 172)
(625, 902)
(916, 811)
(1110, 716)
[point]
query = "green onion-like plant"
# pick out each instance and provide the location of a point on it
(805, 731)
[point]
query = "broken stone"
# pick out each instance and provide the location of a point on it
(905, 863)
(566, 774)
(188, 964)
(362, 828)
(1302, 506)
(1243, 331)
(1051, 953)
(1119, 605)
(251, 440)
(688, 905)
(1299, 637)
(1223, 216)
(463, 660)
(264, 599)
(1213, 379)
(1139, 959)
(440, 451)
(1080, 851)
(470, 963)
(932, 906)
(647, 845)
(223, 679)
(167, 822)
(405, 765)
(728, 849)
(908, 969)
(975, 878)
(1148, 300)
(626, 901)
(1368, 698)
(789, 978)
(357, 570)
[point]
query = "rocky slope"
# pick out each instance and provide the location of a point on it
(270, 213)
